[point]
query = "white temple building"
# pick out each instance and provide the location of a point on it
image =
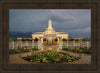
(50, 33)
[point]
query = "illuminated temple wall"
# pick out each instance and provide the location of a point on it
(42, 35)
(50, 33)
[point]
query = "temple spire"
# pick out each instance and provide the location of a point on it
(49, 22)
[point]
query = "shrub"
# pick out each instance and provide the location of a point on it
(16, 51)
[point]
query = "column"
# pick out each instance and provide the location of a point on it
(58, 40)
(87, 44)
(74, 43)
(60, 43)
(13, 45)
(21, 44)
(67, 44)
(39, 44)
(81, 43)
(32, 43)
(26, 43)
(42, 40)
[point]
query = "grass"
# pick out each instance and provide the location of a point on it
(14, 51)
(80, 50)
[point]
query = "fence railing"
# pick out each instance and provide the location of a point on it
(22, 44)
(65, 44)
(78, 44)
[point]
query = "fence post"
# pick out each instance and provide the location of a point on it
(26, 43)
(87, 44)
(60, 43)
(67, 44)
(39, 44)
(32, 43)
(74, 43)
(9, 45)
(21, 44)
(81, 44)
(13, 44)
(17, 44)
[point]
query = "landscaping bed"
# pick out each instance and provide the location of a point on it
(51, 57)
(80, 50)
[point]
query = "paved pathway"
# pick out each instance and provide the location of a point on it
(16, 58)
(85, 58)
(51, 47)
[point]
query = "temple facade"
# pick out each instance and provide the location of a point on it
(50, 34)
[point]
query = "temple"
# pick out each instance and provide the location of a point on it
(50, 34)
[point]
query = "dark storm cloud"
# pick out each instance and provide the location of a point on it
(73, 21)
(59, 19)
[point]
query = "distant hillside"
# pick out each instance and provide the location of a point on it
(15, 35)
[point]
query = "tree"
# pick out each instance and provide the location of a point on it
(56, 39)
(36, 39)
(86, 39)
(10, 40)
(71, 39)
(44, 39)
(23, 39)
(76, 39)
(28, 39)
(64, 39)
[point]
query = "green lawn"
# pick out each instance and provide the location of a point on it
(13, 51)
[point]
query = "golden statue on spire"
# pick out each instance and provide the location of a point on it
(49, 22)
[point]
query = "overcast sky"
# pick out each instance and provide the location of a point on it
(76, 22)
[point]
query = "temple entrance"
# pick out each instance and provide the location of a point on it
(50, 40)
(50, 43)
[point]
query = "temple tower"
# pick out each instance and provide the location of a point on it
(49, 23)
